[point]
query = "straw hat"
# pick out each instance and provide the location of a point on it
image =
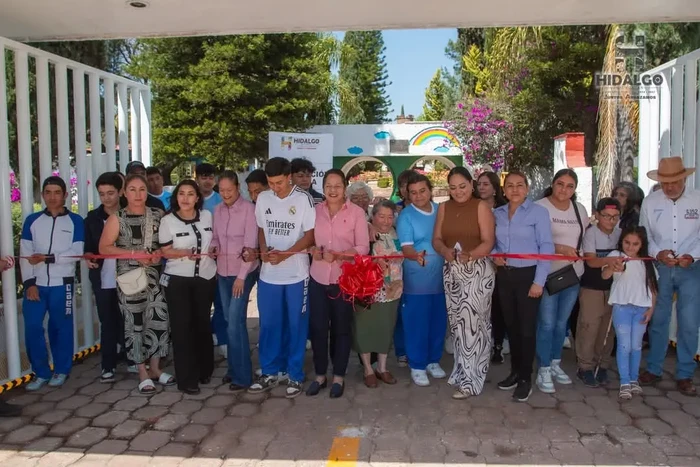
(671, 169)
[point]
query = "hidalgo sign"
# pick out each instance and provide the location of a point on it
(318, 148)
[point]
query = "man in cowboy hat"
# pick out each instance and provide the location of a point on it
(671, 217)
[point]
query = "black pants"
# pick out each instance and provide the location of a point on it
(330, 312)
(189, 307)
(111, 326)
(498, 324)
(520, 316)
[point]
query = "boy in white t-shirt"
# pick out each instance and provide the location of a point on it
(285, 216)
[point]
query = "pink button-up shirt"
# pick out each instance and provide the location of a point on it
(234, 228)
(346, 230)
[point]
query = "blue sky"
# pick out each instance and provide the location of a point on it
(412, 57)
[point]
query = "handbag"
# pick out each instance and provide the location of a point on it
(565, 277)
(136, 280)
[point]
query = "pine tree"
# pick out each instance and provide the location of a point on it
(435, 97)
(364, 70)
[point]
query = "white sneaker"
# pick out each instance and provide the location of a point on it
(436, 371)
(544, 380)
(223, 350)
(449, 345)
(506, 347)
(420, 378)
(567, 342)
(558, 373)
(308, 345)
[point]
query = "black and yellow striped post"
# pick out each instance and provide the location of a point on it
(17, 382)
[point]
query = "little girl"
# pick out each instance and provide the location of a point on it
(632, 296)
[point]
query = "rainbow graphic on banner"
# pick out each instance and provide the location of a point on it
(437, 136)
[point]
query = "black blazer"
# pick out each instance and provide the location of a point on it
(94, 225)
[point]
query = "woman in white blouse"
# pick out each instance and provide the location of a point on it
(190, 284)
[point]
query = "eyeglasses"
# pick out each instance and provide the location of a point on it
(609, 217)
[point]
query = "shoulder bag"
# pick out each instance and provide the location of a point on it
(565, 277)
(136, 280)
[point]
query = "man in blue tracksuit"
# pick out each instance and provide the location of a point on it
(51, 240)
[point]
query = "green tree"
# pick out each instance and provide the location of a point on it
(435, 99)
(216, 98)
(363, 69)
(460, 82)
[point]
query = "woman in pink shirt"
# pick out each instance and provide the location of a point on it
(234, 229)
(341, 227)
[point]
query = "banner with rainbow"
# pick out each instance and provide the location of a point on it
(437, 138)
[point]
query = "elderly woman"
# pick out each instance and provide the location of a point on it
(374, 324)
(630, 197)
(360, 193)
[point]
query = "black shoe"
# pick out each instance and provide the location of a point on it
(226, 379)
(191, 391)
(587, 378)
(233, 387)
(497, 357)
(602, 376)
(9, 410)
(205, 380)
(523, 391)
(509, 383)
(337, 390)
(316, 387)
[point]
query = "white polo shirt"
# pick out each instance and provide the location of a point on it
(285, 221)
(186, 235)
(672, 225)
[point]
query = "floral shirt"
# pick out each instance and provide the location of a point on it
(388, 244)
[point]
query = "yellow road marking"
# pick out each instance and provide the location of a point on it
(344, 452)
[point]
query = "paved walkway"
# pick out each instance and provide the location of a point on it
(88, 423)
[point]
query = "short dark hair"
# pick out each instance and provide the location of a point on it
(54, 180)
(132, 177)
(278, 166)
(337, 172)
(229, 175)
(111, 179)
(174, 206)
(134, 165)
(257, 176)
(153, 171)
(204, 169)
(302, 165)
(517, 173)
(417, 178)
(608, 203)
(404, 176)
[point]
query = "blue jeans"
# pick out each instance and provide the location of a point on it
(240, 368)
(218, 322)
(629, 331)
(685, 282)
(552, 323)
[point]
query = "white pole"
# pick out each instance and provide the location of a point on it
(109, 124)
(97, 161)
(123, 113)
(9, 286)
(82, 174)
(62, 124)
(24, 132)
(134, 101)
(146, 156)
(43, 118)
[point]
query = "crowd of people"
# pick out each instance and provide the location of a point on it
(167, 260)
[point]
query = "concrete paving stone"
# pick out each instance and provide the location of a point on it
(23, 399)
(166, 398)
(244, 410)
(150, 441)
(654, 391)
(92, 410)
(654, 427)
(94, 389)
(87, 437)
(41, 446)
(661, 402)
(127, 384)
(682, 461)
(186, 407)
(25, 434)
(93, 460)
(208, 416)
(587, 425)
(110, 446)
(391, 441)
(192, 433)
(689, 433)
(666, 384)
(677, 417)
(563, 434)
(540, 400)
(601, 402)
(175, 450)
(645, 454)
(60, 458)
(111, 419)
(217, 445)
(569, 395)
(258, 436)
(220, 401)
(171, 422)
(295, 451)
(199, 462)
(8, 424)
(149, 413)
(627, 434)
(249, 450)
(607, 459)
(70, 426)
(127, 430)
(205, 393)
(691, 409)
(52, 417)
(600, 444)
(111, 396)
(130, 459)
(673, 445)
(232, 426)
(130, 404)
(636, 408)
(38, 408)
(614, 417)
(58, 395)
(576, 409)
(460, 442)
(74, 402)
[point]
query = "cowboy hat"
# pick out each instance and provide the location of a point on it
(670, 170)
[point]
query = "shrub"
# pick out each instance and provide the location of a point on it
(438, 178)
(385, 182)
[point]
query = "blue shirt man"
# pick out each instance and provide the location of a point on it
(52, 242)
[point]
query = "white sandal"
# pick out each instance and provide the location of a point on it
(166, 379)
(147, 387)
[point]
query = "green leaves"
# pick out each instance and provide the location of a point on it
(435, 99)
